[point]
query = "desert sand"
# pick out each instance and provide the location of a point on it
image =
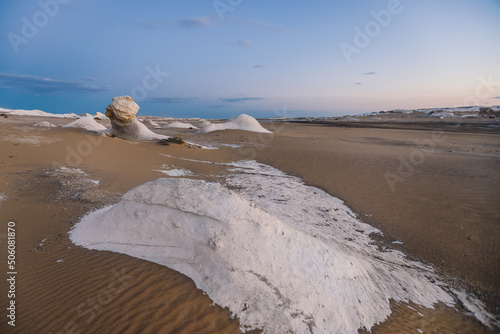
(441, 211)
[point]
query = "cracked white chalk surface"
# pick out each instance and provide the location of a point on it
(175, 172)
(45, 124)
(281, 255)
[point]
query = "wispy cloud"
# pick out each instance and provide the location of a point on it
(358, 83)
(245, 42)
(242, 42)
(258, 24)
(260, 66)
(370, 73)
(497, 97)
(170, 100)
(240, 99)
(218, 106)
(43, 85)
(195, 22)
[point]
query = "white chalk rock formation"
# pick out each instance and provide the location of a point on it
(40, 113)
(242, 122)
(204, 123)
(125, 124)
(180, 125)
(280, 255)
(151, 122)
(122, 108)
(87, 123)
(100, 115)
(277, 253)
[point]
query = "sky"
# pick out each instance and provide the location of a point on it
(221, 58)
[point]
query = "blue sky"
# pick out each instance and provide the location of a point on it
(265, 58)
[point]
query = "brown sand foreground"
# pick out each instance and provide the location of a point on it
(443, 206)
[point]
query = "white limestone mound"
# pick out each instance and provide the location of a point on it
(151, 122)
(242, 122)
(100, 115)
(180, 125)
(203, 123)
(282, 256)
(45, 124)
(87, 123)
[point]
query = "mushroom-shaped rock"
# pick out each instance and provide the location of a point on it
(124, 123)
(122, 108)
